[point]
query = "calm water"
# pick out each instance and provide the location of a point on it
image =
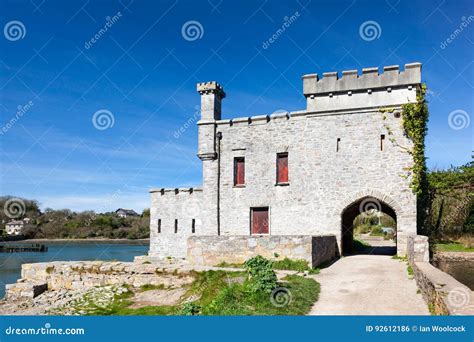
(10, 263)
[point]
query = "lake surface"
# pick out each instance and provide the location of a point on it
(10, 263)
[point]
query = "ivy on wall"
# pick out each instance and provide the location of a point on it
(415, 124)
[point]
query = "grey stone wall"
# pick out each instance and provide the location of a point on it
(443, 294)
(168, 205)
(212, 250)
(61, 275)
(322, 181)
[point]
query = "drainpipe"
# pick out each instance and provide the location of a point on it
(219, 138)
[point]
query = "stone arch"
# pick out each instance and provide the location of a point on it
(358, 203)
(368, 193)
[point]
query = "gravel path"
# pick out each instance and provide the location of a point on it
(368, 285)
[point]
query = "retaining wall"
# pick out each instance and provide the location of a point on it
(212, 250)
(443, 294)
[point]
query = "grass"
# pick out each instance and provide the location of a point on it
(287, 264)
(237, 300)
(222, 293)
(449, 246)
(410, 271)
(292, 265)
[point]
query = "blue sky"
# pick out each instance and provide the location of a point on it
(143, 70)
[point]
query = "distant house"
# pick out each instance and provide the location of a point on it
(14, 227)
(125, 212)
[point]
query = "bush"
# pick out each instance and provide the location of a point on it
(189, 309)
(262, 277)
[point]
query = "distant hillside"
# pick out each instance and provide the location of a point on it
(65, 223)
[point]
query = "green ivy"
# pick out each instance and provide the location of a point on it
(415, 123)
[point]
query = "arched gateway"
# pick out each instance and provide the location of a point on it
(362, 206)
(281, 184)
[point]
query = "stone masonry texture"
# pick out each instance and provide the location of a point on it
(334, 159)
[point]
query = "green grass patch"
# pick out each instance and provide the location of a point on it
(221, 293)
(292, 265)
(449, 246)
(237, 299)
(403, 258)
(410, 270)
(287, 264)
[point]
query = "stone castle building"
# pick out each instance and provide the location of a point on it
(270, 182)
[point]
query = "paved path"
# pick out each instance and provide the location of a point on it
(368, 285)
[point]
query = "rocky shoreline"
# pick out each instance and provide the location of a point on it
(80, 287)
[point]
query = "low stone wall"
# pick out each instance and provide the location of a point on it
(460, 265)
(212, 250)
(56, 276)
(444, 294)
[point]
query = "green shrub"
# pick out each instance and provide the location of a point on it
(262, 277)
(189, 309)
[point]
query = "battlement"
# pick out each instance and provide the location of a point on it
(370, 79)
(369, 89)
(175, 191)
(211, 87)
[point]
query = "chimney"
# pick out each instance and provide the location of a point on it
(211, 98)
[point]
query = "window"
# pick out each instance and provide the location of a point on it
(282, 168)
(382, 138)
(175, 226)
(259, 223)
(159, 225)
(193, 226)
(239, 171)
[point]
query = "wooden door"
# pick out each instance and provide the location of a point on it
(260, 222)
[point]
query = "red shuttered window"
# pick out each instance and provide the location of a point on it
(239, 171)
(282, 168)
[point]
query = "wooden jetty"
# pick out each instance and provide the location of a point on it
(23, 248)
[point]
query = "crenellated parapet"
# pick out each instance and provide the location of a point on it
(370, 79)
(175, 191)
(356, 90)
(211, 87)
